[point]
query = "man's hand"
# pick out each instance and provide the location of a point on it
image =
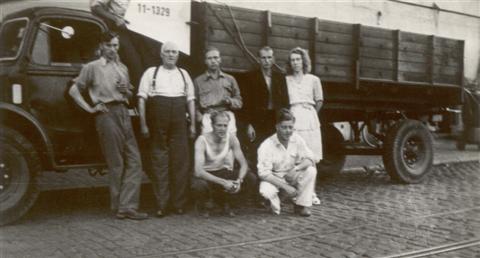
(193, 130)
(145, 131)
(251, 133)
(231, 186)
(121, 23)
(100, 107)
(122, 88)
(227, 101)
(290, 190)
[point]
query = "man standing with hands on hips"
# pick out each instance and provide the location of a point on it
(165, 95)
(108, 85)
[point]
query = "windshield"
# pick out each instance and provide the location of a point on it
(11, 37)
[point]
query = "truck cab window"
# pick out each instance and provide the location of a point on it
(56, 47)
(11, 37)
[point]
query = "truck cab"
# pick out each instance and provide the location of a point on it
(41, 128)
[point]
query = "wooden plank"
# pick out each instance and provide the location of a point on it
(290, 20)
(414, 47)
(337, 71)
(222, 36)
(288, 43)
(290, 32)
(244, 26)
(327, 48)
(412, 57)
(332, 59)
(446, 60)
(373, 32)
(330, 78)
(379, 43)
(453, 52)
(332, 37)
(376, 73)
(236, 63)
(337, 27)
(447, 43)
(413, 67)
(382, 64)
(413, 77)
(414, 38)
(238, 13)
(227, 49)
(448, 79)
(445, 70)
(376, 53)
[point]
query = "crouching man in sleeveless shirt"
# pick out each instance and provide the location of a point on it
(215, 177)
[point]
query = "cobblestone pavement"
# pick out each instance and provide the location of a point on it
(361, 215)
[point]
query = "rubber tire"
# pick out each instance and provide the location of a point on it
(19, 155)
(395, 165)
(333, 157)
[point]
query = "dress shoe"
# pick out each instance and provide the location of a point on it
(179, 211)
(302, 211)
(160, 214)
(131, 214)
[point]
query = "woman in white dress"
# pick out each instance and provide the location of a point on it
(306, 99)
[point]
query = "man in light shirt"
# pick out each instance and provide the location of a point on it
(216, 91)
(285, 163)
(165, 95)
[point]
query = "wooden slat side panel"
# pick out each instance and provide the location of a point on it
(413, 67)
(376, 53)
(336, 27)
(238, 13)
(328, 48)
(290, 21)
(372, 32)
(335, 71)
(289, 32)
(332, 59)
(334, 38)
(244, 26)
(414, 47)
(379, 43)
(287, 43)
(447, 79)
(410, 37)
(222, 36)
(413, 76)
(381, 64)
(377, 73)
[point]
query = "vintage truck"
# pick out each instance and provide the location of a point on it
(384, 83)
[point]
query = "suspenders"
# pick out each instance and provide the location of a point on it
(154, 81)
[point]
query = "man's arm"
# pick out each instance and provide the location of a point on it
(77, 96)
(235, 100)
(239, 157)
(191, 113)
(200, 172)
(143, 120)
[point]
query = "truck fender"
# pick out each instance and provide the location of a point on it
(25, 122)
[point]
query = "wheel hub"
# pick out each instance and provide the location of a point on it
(412, 152)
(5, 176)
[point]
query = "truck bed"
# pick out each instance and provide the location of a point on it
(362, 68)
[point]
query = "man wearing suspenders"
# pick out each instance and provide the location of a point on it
(165, 94)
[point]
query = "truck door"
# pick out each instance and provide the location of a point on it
(61, 46)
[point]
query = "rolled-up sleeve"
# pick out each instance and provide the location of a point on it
(236, 100)
(85, 77)
(265, 160)
(145, 83)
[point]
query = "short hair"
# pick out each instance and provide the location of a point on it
(214, 115)
(285, 114)
(307, 66)
(107, 36)
(209, 49)
(164, 45)
(265, 48)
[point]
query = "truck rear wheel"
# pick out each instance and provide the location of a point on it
(408, 152)
(333, 157)
(19, 165)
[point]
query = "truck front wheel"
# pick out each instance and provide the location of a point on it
(408, 152)
(19, 165)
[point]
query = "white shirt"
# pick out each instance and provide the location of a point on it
(274, 158)
(169, 83)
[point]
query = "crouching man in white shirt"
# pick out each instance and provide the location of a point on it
(286, 163)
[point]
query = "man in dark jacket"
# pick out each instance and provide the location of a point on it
(264, 92)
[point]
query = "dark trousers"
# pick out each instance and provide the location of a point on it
(169, 152)
(121, 154)
(263, 130)
(203, 190)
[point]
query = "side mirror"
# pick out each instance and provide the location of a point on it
(68, 32)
